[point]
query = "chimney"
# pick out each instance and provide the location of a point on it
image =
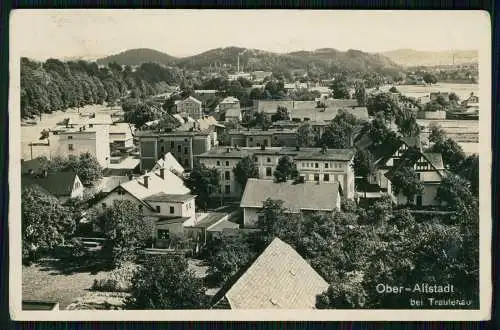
(146, 180)
(162, 173)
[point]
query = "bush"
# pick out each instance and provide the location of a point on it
(119, 280)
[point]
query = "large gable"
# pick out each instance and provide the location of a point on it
(278, 278)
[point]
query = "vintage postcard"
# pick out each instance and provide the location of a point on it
(250, 165)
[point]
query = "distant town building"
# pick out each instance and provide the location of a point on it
(239, 75)
(90, 138)
(191, 106)
(183, 145)
(260, 76)
(326, 198)
(121, 135)
(258, 138)
(233, 115)
(229, 103)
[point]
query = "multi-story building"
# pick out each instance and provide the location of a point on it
(313, 164)
(229, 103)
(190, 106)
(93, 139)
(121, 135)
(267, 138)
(183, 145)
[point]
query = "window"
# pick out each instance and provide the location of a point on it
(103, 205)
(227, 163)
(172, 145)
(185, 150)
(70, 137)
(268, 159)
(418, 176)
(158, 208)
(326, 165)
(91, 125)
(269, 171)
(163, 234)
(172, 211)
(186, 162)
(218, 163)
(227, 189)
(162, 149)
(316, 165)
(316, 177)
(326, 177)
(227, 175)
(70, 147)
(250, 139)
(185, 140)
(179, 149)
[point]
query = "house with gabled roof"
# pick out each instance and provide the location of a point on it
(430, 170)
(191, 106)
(162, 196)
(323, 197)
(62, 185)
(278, 279)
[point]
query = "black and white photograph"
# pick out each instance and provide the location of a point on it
(250, 165)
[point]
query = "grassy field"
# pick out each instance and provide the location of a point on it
(44, 281)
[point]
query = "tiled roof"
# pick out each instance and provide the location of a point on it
(59, 184)
(210, 219)
(225, 152)
(171, 184)
(170, 163)
(120, 128)
(260, 132)
(166, 220)
(328, 114)
(329, 154)
(230, 99)
(33, 164)
(294, 196)
(162, 197)
(223, 225)
(190, 98)
(278, 278)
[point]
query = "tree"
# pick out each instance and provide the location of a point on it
(125, 230)
(384, 103)
(342, 296)
(378, 130)
(380, 211)
(406, 181)
(360, 94)
(455, 192)
(261, 120)
(245, 169)
(227, 254)
(141, 114)
(305, 135)
(338, 134)
(364, 164)
(452, 153)
(165, 282)
(45, 222)
(87, 168)
(436, 133)
(281, 114)
(393, 90)
(340, 88)
(285, 170)
(203, 182)
(469, 170)
(429, 78)
(407, 123)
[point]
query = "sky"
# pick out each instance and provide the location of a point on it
(41, 34)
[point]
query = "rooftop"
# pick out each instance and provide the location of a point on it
(278, 278)
(292, 194)
(257, 132)
(59, 184)
(162, 197)
(328, 154)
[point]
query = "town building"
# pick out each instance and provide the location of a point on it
(278, 279)
(183, 145)
(191, 107)
(258, 137)
(62, 185)
(323, 198)
(229, 103)
(121, 135)
(238, 75)
(233, 115)
(169, 162)
(165, 201)
(89, 138)
(260, 76)
(313, 164)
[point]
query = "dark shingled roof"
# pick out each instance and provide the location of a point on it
(329, 154)
(58, 184)
(32, 164)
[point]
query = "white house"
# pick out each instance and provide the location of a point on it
(163, 197)
(169, 162)
(297, 197)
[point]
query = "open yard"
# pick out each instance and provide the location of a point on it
(44, 281)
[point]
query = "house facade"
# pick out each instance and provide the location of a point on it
(267, 138)
(165, 201)
(84, 139)
(184, 146)
(191, 106)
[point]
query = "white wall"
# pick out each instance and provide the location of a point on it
(250, 217)
(77, 191)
